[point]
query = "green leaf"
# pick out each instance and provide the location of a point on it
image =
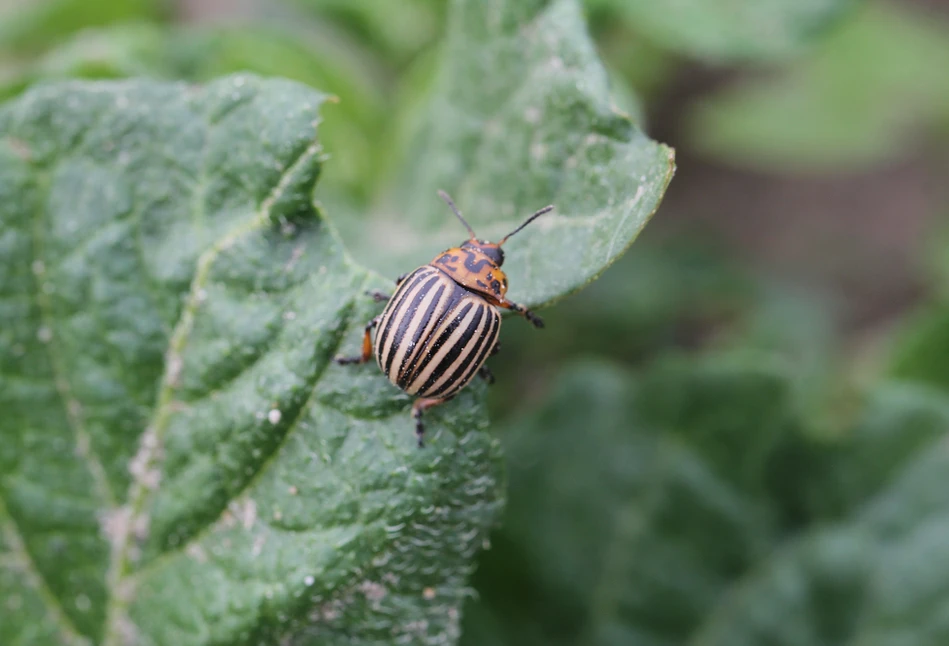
(199, 54)
(851, 104)
(622, 526)
(921, 348)
(898, 422)
(181, 463)
(879, 579)
(732, 412)
(806, 595)
(729, 30)
(30, 26)
(398, 31)
(520, 117)
(644, 64)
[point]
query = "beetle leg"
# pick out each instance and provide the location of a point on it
(485, 373)
(421, 405)
(398, 281)
(366, 346)
(495, 349)
(378, 296)
(535, 320)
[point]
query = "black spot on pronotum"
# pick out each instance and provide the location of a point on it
(474, 265)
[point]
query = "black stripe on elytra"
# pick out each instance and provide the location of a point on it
(395, 306)
(465, 372)
(425, 354)
(406, 316)
(455, 351)
(458, 317)
(396, 302)
(470, 263)
(452, 384)
(491, 339)
(405, 368)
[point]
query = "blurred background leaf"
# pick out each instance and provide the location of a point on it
(30, 27)
(617, 530)
(653, 510)
(728, 30)
(876, 82)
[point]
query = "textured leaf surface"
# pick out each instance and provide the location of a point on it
(520, 117)
(180, 461)
(723, 30)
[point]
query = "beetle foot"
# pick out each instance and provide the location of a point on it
(535, 320)
(419, 426)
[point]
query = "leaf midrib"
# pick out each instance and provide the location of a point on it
(149, 451)
(183, 547)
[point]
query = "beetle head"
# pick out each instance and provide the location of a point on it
(491, 250)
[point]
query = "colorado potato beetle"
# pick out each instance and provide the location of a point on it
(442, 322)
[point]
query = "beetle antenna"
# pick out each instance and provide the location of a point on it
(454, 209)
(546, 209)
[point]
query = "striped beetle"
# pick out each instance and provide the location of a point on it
(442, 322)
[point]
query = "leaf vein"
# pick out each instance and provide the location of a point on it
(70, 403)
(24, 562)
(301, 413)
(148, 456)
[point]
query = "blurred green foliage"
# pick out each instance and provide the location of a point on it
(691, 459)
(866, 89)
